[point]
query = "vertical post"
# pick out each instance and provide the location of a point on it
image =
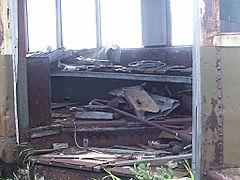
(15, 63)
(196, 125)
(22, 95)
(59, 36)
(169, 23)
(98, 23)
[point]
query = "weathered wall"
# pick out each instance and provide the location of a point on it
(220, 86)
(7, 120)
(7, 123)
(231, 105)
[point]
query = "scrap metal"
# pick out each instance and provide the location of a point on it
(159, 159)
(93, 115)
(147, 64)
(140, 100)
(177, 134)
(166, 106)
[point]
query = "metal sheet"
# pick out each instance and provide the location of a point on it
(140, 100)
(93, 115)
(165, 104)
(209, 102)
(231, 99)
(38, 75)
(126, 76)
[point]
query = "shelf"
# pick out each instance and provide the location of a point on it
(126, 76)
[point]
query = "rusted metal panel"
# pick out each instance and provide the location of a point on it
(210, 137)
(210, 22)
(231, 99)
(220, 87)
(60, 173)
(38, 79)
(130, 137)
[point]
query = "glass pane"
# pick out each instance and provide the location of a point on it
(230, 15)
(79, 24)
(182, 22)
(41, 24)
(121, 23)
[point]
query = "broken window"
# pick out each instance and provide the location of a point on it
(230, 15)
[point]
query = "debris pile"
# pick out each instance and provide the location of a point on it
(132, 108)
(106, 59)
(155, 115)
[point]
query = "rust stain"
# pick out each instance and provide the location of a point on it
(212, 126)
(212, 122)
(210, 21)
